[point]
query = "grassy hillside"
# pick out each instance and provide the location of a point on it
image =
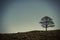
(32, 35)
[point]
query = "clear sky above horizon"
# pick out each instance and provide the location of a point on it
(22, 16)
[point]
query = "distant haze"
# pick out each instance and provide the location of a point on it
(22, 16)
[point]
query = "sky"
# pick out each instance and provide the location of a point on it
(25, 15)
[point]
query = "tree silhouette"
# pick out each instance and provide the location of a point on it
(47, 22)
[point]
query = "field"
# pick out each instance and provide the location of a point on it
(32, 35)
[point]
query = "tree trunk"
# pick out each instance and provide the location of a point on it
(46, 32)
(46, 29)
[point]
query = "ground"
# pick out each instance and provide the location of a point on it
(32, 35)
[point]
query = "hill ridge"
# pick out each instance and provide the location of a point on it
(32, 35)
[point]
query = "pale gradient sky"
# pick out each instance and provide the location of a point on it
(22, 16)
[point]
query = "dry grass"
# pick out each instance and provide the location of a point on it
(32, 35)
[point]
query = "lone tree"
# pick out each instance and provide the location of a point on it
(47, 22)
